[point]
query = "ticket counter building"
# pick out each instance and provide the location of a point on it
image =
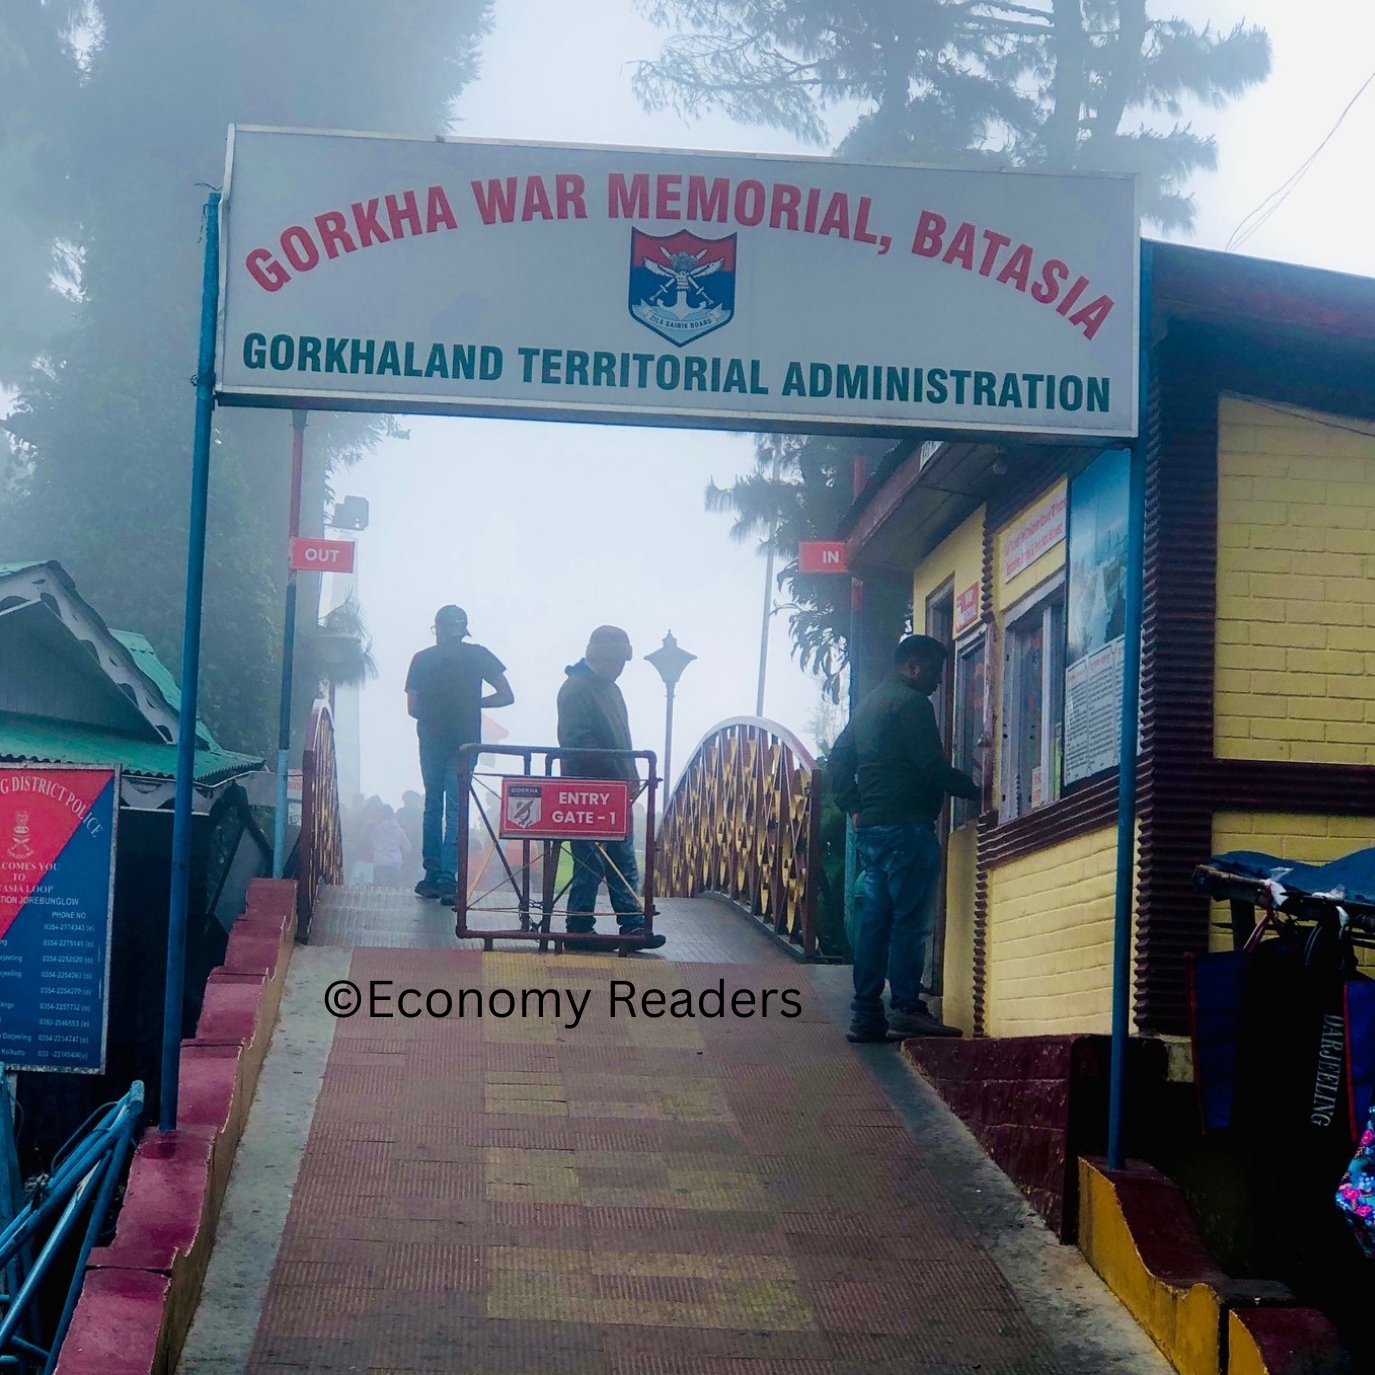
(1258, 670)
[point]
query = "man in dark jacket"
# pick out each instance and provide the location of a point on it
(592, 719)
(444, 694)
(888, 770)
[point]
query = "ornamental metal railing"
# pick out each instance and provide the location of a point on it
(320, 849)
(745, 821)
(70, 1203)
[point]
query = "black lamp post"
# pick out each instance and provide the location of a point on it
(670, 659)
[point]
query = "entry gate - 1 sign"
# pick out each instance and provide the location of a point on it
(57, 846)
(564, 809)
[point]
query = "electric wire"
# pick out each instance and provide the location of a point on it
(1262, 213)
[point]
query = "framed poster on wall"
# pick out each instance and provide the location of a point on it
(57, 872)
(1096, 613)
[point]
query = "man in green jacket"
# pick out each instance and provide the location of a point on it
(593, 719)
(889, 772)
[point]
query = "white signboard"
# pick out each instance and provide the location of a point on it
(1034, 533)
(563, 282)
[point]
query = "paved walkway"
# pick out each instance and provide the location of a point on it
(614, 1195)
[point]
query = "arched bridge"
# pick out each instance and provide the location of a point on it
(745, 822)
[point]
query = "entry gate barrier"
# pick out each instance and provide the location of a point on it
(529, 816)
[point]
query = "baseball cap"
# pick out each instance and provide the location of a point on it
(451, 618)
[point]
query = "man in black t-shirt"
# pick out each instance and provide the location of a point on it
(444, 694)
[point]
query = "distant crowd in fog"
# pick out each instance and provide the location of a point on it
(382, 843)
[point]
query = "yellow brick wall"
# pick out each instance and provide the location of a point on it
(1008, 591)
(957, 1004)
(1050, 920)
(1288, 835)
(1295, 658)
(959, 556)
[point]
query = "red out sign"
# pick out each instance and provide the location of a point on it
(821, 556)
(564, 809)
(321, 555)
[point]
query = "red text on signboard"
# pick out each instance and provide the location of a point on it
(321, 555)
(821, 556)
(564, 809)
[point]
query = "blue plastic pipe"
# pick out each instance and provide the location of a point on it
(1126, 777)
(190, 675)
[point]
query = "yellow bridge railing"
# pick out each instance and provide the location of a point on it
(745, 822)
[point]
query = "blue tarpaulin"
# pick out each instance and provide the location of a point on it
(1352, 876)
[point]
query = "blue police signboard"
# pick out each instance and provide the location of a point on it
(57, 847)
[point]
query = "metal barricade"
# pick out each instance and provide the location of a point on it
(61, 1221)
(513, 889)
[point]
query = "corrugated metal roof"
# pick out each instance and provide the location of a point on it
(148, 663)
(37, 740)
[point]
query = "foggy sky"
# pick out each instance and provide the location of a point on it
(542, 531)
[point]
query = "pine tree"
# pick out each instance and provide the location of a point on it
(1058, 84)
(40, 81)
(98, 471)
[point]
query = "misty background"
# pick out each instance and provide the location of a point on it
(540, 531)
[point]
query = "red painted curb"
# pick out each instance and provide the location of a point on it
(229, 1014)
(209, 1081)
(1294, 1341)
(116, 1327)
(163, 1215)
(140, 1292)
(272, 897)
(255, 950)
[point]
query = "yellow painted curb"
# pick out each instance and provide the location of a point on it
(1243, 1355)
(1183, 1318)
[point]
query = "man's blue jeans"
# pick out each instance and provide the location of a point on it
(612, 861)
(439, 829)
(902, 869)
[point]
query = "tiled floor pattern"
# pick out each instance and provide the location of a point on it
(647, 1196)
(703, 929)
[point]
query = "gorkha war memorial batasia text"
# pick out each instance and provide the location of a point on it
(474, 277)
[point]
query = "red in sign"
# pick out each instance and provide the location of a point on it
(321, 555)
(967, 608)
(821, 556)
(564, 809)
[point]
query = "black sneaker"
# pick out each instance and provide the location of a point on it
(655, 942)
(919, 1023)
(860, 1036)
(447, 893)
(427, 888)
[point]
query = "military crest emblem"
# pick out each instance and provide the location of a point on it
(523, 806)
(682, 286)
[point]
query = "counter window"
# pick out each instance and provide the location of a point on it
(1033, 706)
(969, 750)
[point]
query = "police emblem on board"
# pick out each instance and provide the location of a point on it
(682, 286)
(523, 806)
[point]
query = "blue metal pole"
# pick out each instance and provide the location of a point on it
(1126, 776)
(190, 674)
(851, 916)
(298, 440)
